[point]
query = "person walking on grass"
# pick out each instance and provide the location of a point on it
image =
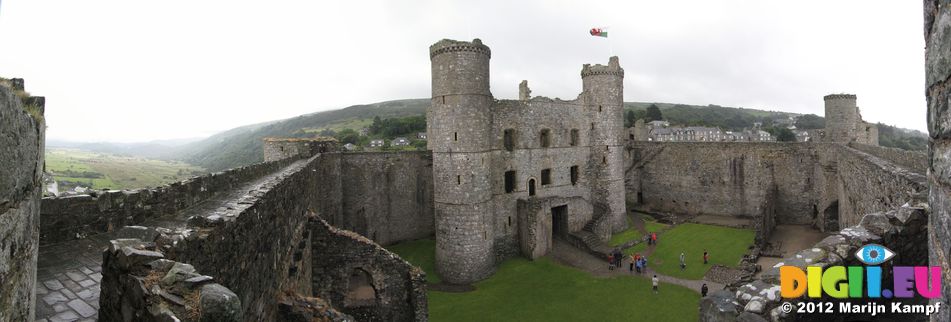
(703, 290)
(683, 261)
(654, 238)
(706, 257)
(611, 262)
(633, 261)
(654, 282)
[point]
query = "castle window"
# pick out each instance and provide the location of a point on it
(510, 181)
(599, 108)
(574, 137)
(282, 149)
(592, 126)
(509, 139)
(574, 174)
(604, 159)
(510, 221)
(546, 176)
(531, 187)
(458, 179)
(545, 138)
(455, 136)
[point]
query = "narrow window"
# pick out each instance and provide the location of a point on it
(510, 221)
(509, 139)
(510, 181)
(531, 187)
(574, 174)
(574, 137)
(455, 136)
(599, 108)
(592, 126)
(546, 176)
(604, 159)
(458, 179)
(443, 99)
(545, 138)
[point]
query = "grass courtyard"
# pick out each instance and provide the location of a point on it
(725, 245)
(542, 290)
(632, 232)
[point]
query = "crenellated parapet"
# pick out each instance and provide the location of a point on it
(612, 69)
(452, 46)
(839, 97)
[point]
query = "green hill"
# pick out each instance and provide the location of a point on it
(243, 145)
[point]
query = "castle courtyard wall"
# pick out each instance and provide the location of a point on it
(937, 34)
(21, 188)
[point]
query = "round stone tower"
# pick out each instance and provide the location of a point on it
(842, 115)
(459, 134)
(604, 101)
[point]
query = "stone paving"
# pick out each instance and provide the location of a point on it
(68, 273)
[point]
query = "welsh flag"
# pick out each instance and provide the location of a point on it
(599, 32)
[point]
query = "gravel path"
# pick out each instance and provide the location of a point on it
(566, 254)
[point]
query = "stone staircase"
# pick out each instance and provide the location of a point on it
(587, 240)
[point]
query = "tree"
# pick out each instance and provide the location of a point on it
(629, 118)
(810, 122)
(348, 136)
(653, 113)
(785, 135)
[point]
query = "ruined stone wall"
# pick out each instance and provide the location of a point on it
(103, 211)
(362, 279)
(283, 148)
(729, 178)
(937, 32)
(869, 184)
(21, 185)
(912, 160)
(259, 246)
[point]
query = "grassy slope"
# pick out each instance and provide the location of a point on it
(650, 225)
(118, 172)
(523, 290)
(725, 245)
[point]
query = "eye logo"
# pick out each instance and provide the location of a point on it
(874, 254)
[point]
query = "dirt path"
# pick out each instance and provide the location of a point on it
(566, 254)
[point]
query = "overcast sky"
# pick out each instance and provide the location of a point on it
(129, 71)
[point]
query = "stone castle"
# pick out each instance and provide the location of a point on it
(298, 237)
(500, 167)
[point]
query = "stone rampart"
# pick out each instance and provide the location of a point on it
(937, 34)
(258, 247)
(911, 160)
(71, 217)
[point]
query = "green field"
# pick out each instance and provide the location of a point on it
(541, 290)
(72, 167)
(349, 123)
(725, 245)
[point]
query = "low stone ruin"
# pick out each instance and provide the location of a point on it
(139, 284)
(904, 230)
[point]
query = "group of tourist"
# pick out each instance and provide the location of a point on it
(639, 263)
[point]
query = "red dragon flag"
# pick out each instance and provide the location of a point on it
(599, 32)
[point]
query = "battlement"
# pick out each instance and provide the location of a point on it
(613, 68)
(839, 97)
(451, 46)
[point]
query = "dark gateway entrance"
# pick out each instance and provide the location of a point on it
(559, 221)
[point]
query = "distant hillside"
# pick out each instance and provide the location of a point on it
(243, 145)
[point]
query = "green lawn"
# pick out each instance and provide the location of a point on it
(541, 290)
(725, 245)
(633, 233)
(421, 253)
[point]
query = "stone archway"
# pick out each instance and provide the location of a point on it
(830, 217)
(360, 289)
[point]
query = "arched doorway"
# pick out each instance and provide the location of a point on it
(830, 217)
(531, 187)
(360, 290)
